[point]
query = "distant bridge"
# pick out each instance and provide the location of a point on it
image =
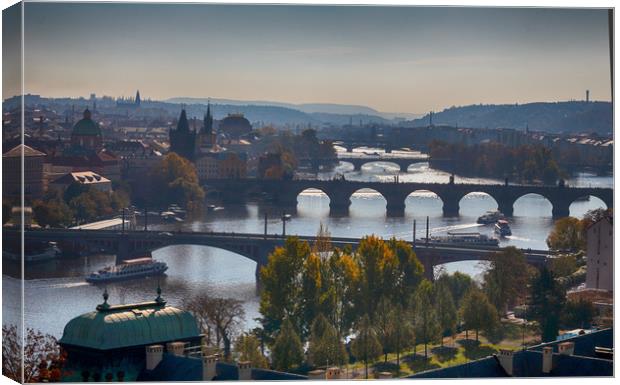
(285, 192)
(358, 161)
(256, 247)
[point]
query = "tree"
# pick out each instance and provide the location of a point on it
(174, 180)
(458, 283)
(409, 274)
(563, 266)
(325, 346)
(546, 303)
(578, 313)
(505, 282)
(426, 321)
(43, 360)
(248, 347)
(343, 281)
(218, 318)
(281, 280)
(446, 311)
(401, 332)
(54, 213)
(566, 235)
(287, 351)
(477, 312)
(379, 269)
(366, 345)
(84, 207)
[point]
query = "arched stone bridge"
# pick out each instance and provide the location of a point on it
(255, 247)
(359, 161)
(285, 192)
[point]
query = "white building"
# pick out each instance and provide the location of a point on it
(599, 252)
(85, 178)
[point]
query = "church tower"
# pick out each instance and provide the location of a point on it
(137, 101)
(182, 140)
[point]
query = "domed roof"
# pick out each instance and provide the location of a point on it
(113, 327)
(235, 125)
(86, 126)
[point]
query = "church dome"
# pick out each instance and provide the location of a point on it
(86, 126)
(235, 125)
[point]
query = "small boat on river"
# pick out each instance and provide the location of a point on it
(129, 269)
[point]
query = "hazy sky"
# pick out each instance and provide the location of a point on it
(406, 59)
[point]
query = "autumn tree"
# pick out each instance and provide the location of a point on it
(325, 345)
(281, 280)
(248, 348)
(42, 359)
(342, 281)
(287, 351)
(547, 300)
(505, 282)
(458, 283)
(477, 312)
(174, 180)
(409, 272)
(54, 213)
(366, 345)
(567, 235)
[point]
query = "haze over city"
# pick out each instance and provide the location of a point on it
(409, 59)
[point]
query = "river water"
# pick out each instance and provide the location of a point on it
(55, 292)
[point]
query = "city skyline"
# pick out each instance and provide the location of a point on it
(393, 59)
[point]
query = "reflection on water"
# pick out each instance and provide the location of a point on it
(55, 292)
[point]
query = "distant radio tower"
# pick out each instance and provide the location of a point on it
(587, 96)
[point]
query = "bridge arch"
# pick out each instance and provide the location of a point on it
(186, 256)
(532, 205)
(313, 202)
(476, 203)
(580, 206)
(423, 203)
(396, 165)
(367, 202)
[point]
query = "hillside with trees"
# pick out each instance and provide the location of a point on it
(567, 117)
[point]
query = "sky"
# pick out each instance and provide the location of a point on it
(394, 59)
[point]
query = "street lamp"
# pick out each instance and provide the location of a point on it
(285, 217)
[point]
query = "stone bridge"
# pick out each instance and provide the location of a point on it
(359, 161)
(255, 247)
(285, 192)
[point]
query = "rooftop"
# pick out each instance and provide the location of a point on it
(120, 326)
(18, 150)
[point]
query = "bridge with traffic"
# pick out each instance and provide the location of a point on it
(255, 247)
(339, 191)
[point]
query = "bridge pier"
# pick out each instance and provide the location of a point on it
(450, 207)
(505, 208)
(404, 167)
(357, 166)
(395, 209)
(560, 209)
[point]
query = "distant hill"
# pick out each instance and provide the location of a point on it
(568, 117)
(331, 110)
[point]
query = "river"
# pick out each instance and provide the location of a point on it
(55, 292)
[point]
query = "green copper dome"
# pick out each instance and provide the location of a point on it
(86, 126)
(113, 327)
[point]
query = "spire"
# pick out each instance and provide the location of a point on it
(105, 305)
(159, 299)
(183, 125)
(208, 121)
(86, 113)
(137, 98)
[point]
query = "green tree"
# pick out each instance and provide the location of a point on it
(546, 303)
(248, 348)
(287, 351)
(505, 282)
(325, 346)
(343, 281)
(281, 280)
(84, 207)
(566, 234)
(478, 313)
(563, 266)
(427, 327)
(366, 345)
(54, 213)
(409, 274)
(578, 314)
(458, 283)
(446, 311)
